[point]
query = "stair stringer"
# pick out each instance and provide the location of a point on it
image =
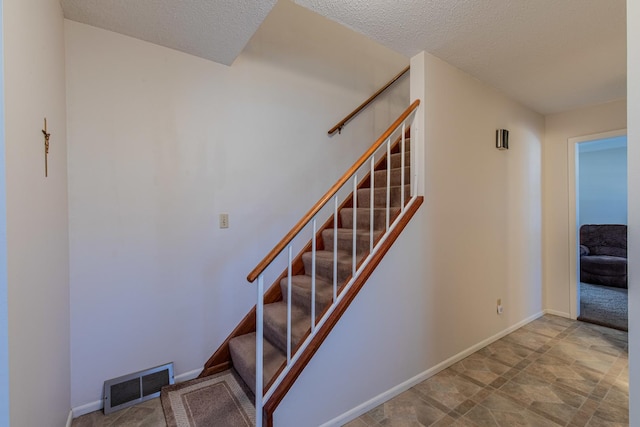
(322, 333)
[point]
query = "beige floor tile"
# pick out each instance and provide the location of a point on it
(543, 397)
(543, 327)
(480, 369)
(506, 352)
(145, 414)
(408, 409)
(499, 411)
(619, 394)
(556, 371)
(358, 422)
(610, 415)
(447, 389)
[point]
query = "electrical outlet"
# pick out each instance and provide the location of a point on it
(224, 220)
(499, 307)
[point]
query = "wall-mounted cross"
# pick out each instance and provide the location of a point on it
(46, 148)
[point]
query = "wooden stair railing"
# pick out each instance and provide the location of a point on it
(262, 265)
(221, 359)
(338, 127)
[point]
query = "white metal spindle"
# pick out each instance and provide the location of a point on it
(412, 162)
(335, 248)
(371, 205)
(313, 278)
(259, 350)
(289, 306)
(402, 172)
(388, 182)
(355, 219)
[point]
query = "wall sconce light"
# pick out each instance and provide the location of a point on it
(502, 139)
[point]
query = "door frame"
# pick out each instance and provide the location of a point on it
(572, 157)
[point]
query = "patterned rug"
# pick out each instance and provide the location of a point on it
(604, 306)
(215, 401)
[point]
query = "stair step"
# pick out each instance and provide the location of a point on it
(301, 292)
(275, 324)
(345, 239)
(380, 176)
(363, 217)
(407, 146)
(243, 355)
(396, 159)
(380, 196)
(324, 265)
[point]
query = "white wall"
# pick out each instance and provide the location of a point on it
(558, 129)
(4, 326)
(476, 239)
(633, 141)
(161, 143)
(37, 223)
(602, 185)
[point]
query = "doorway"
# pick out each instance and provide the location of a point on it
(598, 199)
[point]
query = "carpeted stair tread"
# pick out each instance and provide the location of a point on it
(363, 217)
(275, 324)
(407, 146)
(380, 176)
(380, 196)
(243, 354)
(324, 265)
(301, 292)
(396, 159)
(345, 239)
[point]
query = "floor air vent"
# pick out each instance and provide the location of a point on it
(128, 390)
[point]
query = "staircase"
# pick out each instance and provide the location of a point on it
(306, 291)
(243, 348)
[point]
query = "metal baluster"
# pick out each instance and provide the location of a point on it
(388, 183)
(402, 172)
(414, 169)
(371, 205)
(313, 278)
(335, 248)
(289, 306)
(355, 219)
(259, 350)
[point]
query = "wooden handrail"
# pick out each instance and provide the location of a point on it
(337, 186)
(340, 125)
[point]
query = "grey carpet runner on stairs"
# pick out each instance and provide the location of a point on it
(243, 348)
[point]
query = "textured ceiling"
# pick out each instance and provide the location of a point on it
(551, 55)
(217, 30)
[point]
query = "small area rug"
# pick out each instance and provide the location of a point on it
(604, 306)
(215, 401)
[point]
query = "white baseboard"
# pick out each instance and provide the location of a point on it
(69, 419)
(187, 376)
(81, 410)
(558, 313)
(97, 405)
(400, 388)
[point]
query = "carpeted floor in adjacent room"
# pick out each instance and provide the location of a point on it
(604, 305)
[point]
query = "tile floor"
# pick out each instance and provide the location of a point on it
(145, 414)
(553, 371)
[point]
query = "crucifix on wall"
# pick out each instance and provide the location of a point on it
(46, 148)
